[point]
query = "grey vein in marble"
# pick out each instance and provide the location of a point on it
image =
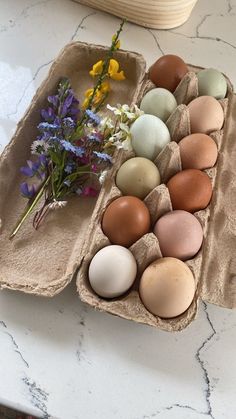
(156, 41)
(16, 348)
(39, 397)
(80, 25)
(203, 367)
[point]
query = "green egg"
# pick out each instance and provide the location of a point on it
(211, 83)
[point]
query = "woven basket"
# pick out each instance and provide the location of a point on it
(163, 14)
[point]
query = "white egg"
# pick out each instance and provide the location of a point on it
(149, 135)
(159, 102)
(112, 271)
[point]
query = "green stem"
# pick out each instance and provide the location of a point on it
(104, 70)
(30, 208)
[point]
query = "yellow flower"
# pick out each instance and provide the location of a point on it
(87, 95)
(97, 69)
(105, 87)
(113, 70)
(117, 44)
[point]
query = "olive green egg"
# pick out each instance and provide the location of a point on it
(211, 83)
(137, 177)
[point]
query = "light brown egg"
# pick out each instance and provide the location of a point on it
(168, 71)
(198, 151)
(206, 115)
(167, 287)
(179, 234)
(190, 190)
(126, 220)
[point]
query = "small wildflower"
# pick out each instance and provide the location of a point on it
(103, 156)
(39, 147)
(89, 191)
(57, 204)
(93, 117)
(28, 191)
(102, 176)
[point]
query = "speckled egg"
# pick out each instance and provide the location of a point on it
(167, 287)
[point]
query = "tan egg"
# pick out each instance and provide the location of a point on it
(198, 151)
(167, 287)
(206, 115)
(137, 177)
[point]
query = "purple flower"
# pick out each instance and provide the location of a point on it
(103, 156)
(92, 117)
(32, 168)
(68, 127)
(48, 114)
(78, 151)
(96, 137)
(46, 126)
(28, 191)
(53, 100)
(69, 168)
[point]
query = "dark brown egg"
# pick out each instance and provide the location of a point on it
(126, 220)
(168, 71)
(190, 190)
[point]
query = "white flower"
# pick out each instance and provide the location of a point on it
(137, 111)
(57, 204)
(106, 123)
(124, 127)
(102, 176)
(127, 145)
(39, 147)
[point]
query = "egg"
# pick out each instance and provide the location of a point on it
(167, 287)
(197, 151)
(211, 83)
(159, 102)
(149, 135)
(179, 234)
(190, 190)
(137, 177)
(112, 271)
(206, 115)
(126, 220)
(168, 71)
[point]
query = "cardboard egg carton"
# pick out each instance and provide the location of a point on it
(43, 262)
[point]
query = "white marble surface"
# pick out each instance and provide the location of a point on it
(57, 357)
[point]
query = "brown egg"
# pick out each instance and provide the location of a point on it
(179, 234)
(206, 115)
(167, 287)
(126, 220)
(168, 71)
(198, 151)
(190, 190)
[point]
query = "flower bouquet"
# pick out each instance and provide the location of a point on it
(75, 145)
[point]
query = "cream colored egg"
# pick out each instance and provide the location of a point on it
(137, 177)
(159, 102)
(149, 135)
(112, 271)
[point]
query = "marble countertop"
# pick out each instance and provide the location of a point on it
(59, 358)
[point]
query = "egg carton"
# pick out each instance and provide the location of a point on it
(44, 262)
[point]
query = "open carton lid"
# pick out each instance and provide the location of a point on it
(43, 263)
